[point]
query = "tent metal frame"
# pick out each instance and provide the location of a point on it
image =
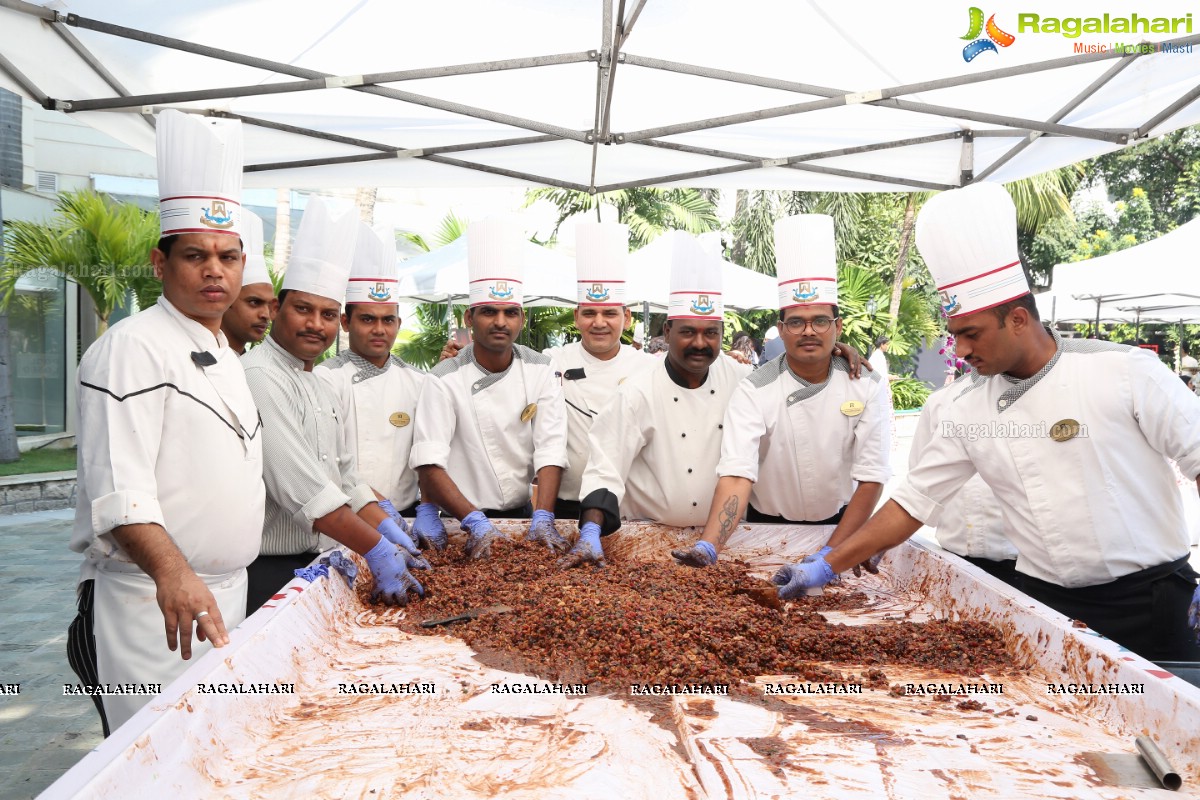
(616, 28)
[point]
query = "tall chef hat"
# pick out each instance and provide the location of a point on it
(373, 275)
(494, 262)
(601, 252)
(323, 251)
(696, 282)
(252, 244)
(199, 174)
(968, 238)
(806, 260)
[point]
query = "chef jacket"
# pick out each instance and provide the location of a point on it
(471, 426)
(309, 471)
(1086, 510)
(656, 446)
(971, 524)
(377, 408)
(806, 446)
(588, 385)
(168, 434)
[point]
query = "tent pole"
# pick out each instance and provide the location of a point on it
(1137, 325)
(21, 78)
(792, 160)
(1168, 112)
(603, 76)
(1097, 317)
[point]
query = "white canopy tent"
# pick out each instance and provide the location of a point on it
(442, 274)
(605, 94)
(649, 279)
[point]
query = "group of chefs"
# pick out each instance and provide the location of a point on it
(210, 473)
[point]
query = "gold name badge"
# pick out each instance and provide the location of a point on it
(852, 408)
(528, 412)
(1064, 430)
(399, 419)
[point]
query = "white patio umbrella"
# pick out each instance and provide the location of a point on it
(442, 274)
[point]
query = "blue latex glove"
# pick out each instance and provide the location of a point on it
(587, 549)
(481, 534)
(429, 528)
(389, 565)
(824, 551)
(542, 529)
(1194, 614)
(701, 554)
(794, 579)
(390, 509)
(397, 535)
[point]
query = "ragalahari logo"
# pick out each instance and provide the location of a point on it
(994, 37)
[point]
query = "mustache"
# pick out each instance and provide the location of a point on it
(319, 334)
(699, 351)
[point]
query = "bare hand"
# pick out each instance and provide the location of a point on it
(871, 565)
(184, 600)
(855, 361)
(449, 350)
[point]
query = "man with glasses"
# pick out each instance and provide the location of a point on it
(803, 443)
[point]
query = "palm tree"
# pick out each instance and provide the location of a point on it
(646, 210)
(101, 245)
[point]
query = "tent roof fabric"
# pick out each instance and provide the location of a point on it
(606, 94)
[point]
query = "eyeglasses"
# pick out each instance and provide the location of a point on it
(819, 325)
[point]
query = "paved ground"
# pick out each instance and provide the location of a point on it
(42, 733)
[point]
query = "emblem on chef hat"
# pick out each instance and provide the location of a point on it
(601, 252)
(373, 274)
(252, 244)
(323, 251)
(200, 163)
(696, 282)
(806, 260)
(968, 238)
(495, 262)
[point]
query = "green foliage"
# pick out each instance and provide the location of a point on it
(1166, 168)
(102, 245)
(647, 211)
(908, 393)
(423, 348)
(917, 325)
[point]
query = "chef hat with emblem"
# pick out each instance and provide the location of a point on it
(323, 251)
(494, 262)
(806, 260)
(968, 238)
(252, 245)
(200, 163)
(696, 282)
(601, 253)
(373, 275)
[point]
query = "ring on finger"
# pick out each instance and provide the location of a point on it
(201, 614)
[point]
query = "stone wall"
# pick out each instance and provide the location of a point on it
(48, 492)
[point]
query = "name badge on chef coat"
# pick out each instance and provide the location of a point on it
(852, 408)
(1064, 430)
(399, 419)
(528, 412)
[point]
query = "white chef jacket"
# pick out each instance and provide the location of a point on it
(793, 439)
(1087, 510)
(971, 523)
(470, 425)
(656, 446)
(309, 470)
(164, 440)
(377, 408)
(588, 385)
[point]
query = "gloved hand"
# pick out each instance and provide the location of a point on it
(1194, 614)
(397, 535)
(542, 529)
(824, 551)
(482, 533)
(794, 579)
(587, 549)
(389, 508)
(428, 527)
(392, 579)
(701, 554)
(871, 565)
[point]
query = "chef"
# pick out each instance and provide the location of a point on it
(1071, 435)
(314, 496)
(170, 498)
(971, 525)
(247, 320)
(592, 368)
(655, 448)
(376, 392)
(803, 443)
(492, 417)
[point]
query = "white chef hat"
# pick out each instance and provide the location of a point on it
(373, 275)
(696, 281)
(323, 251)
(968, 238)
(601, 253)
(806, 260)
(494, 261)
(252, 245)
(200, 163)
